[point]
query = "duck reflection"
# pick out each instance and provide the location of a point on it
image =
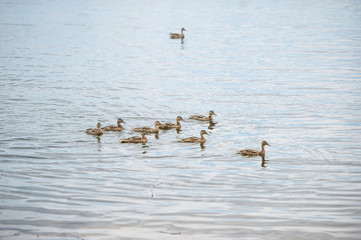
(263, 163)
(211, 125)
(202, 146)
(99, 144)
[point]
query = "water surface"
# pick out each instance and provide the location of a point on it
(287, 72)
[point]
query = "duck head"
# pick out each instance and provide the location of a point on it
(203, 132)
(265, 143)
(120, 121)
(212, 113)
(179, 118)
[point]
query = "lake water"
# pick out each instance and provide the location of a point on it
(288, 72)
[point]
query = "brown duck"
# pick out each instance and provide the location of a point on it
(95, 131)
(254, 153)
(136, 139)
(119, 127)
(203, 118)
(177, 35)
(202, 139)
(149, 129)
(167, 126)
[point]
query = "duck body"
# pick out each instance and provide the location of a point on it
(136, 139)
(255, 153)
(95, 131)
(167, 126)
(250, 152)
(202, 139)
(157, 124)
(112, 128)
(177, 35)
(202, 117)
(119, 127)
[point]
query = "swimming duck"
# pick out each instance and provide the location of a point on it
(95, 131)
(115, 128)
(202, 139)
(148, 129)
(254, 153)
(136, 139)
(203, 118)
(167, 126)
(177, 35)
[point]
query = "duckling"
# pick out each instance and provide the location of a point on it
(254, 153)
(115, 128)
(167, 126)
(202, 139)
(95, 131)
(203, 118)
(177, 35)
(136, 139)
(148, 129)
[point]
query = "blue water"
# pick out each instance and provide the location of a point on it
(288, 72)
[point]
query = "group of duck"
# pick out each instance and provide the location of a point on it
(167, 126)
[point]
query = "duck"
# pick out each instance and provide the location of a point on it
(254, 153)
(202, 117)
(149, 129)
(202, 139)
(136, 139)
(115, 128)
(177, 35)
(95, 131)
(167, 126)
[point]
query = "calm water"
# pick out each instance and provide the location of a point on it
(288, 72)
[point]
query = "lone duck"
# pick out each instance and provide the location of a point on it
(95, 131)
(203, 118)
(177, 35)
(202, 139)
(142, 139)
(149, 129)
(254, 153)
(115, 128)
(167, 126)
